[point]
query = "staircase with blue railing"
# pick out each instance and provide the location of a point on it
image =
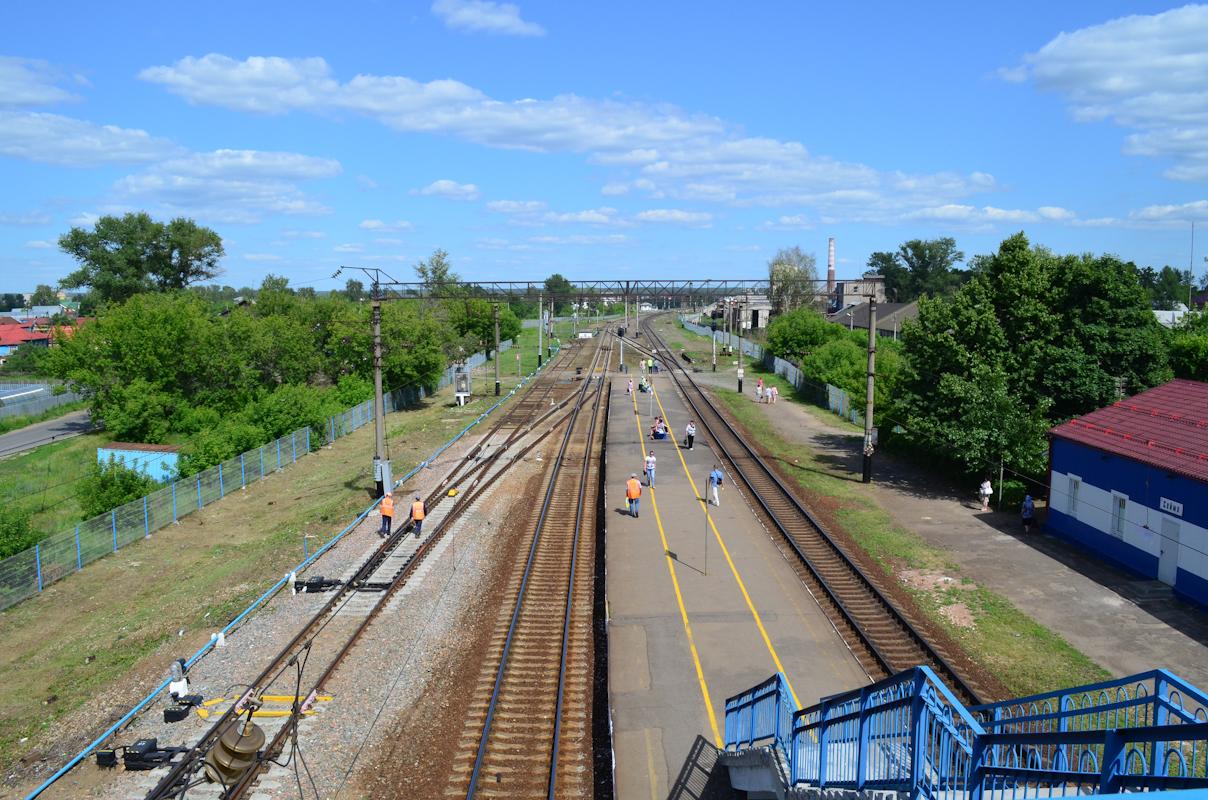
(908, 735)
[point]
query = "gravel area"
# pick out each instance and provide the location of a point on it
(222, 671)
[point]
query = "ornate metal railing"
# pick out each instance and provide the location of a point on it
(909, 733)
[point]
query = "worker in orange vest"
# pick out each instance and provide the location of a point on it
(418, 511)
(387, 509)
(633, 493)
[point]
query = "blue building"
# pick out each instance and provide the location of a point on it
(1130, 483)
(158, 461)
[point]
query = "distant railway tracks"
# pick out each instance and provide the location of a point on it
(234, 755)
(884, 636)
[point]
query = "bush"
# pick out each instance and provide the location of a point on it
(226, 440)
(353, 390)
(289, 408)
(111, 485)
(16, 534)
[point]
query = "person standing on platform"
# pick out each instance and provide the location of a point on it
(690, 434)
(775, 392)
(715, 480)
(419, 510)
(1028, 513)
(629, 387)
(387, 509)
(633, 493)
(650, 463)
(759, 391)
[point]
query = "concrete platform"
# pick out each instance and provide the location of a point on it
(701, 605)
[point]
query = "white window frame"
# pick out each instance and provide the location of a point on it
(1075, 483)
(1119, 516)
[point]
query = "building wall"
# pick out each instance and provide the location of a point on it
(1089, 522)
(160, 465)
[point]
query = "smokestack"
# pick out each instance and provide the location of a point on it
(830, 265)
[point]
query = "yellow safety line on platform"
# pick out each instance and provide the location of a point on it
(767, 640)
(679, 599)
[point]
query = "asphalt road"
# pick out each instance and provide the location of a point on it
(41, 433)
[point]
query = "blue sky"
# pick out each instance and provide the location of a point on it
(618, 139)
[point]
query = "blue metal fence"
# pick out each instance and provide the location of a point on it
(908, 733)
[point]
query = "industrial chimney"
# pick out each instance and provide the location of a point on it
(830, 266)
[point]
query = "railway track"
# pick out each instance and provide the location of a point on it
(302, 667)
(528, 733)
(884, 636)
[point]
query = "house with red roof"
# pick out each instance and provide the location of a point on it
(14, 336)
(1130, 483)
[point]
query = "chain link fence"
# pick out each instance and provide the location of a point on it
(27, 573)
(31, 399)
(837, 400)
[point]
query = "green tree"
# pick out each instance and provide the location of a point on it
(111, 485)
(560, 292)
(931, 264)
(436, 273)
(795, 335)
(475, 319)
(11, 300)
(44, 296)
(16, 532)
(123, 256)
(354, 290)
(792, 279)
(897, 278)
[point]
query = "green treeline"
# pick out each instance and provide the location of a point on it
(1023, 340)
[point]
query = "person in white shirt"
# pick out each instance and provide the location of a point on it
(650, 462)
(690, 434)
(986, 491)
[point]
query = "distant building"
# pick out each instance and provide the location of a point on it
(748, 311)
(27, 314)
(1130, 483)
(855, 291)
(158, 461)
(1170, 318)
(890, 317)
(14, 336)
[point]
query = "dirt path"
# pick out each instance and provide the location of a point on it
(1126, 624)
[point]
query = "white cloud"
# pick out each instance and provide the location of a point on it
(85, 219)
(262, 257)
(39, 245)
(237, 186)
(675, 216)
(591, 216)
(1185, 212)
(349, 248)
(28, 218)
(787, 222)
(1055, 213)
(614, 189)
(385, 227)
(664, 151)
(516, 206)
(450, 189)
(1143, 72)
(591, 239)
(988, 216)
(68, 142)
(367, 183)
(30, 82)
(485, 16)
(295, 234)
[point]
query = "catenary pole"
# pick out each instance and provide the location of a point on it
(540, 325)
(868, 402)
(497, 353)
(380, 464)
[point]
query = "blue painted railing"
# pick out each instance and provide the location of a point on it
(908, 733)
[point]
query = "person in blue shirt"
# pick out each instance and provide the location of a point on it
(715, 480)
(1028, 512)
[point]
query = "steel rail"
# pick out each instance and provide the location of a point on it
(169, 785)
(480, 753)
(876, 645)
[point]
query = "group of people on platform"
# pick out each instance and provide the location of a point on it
(765, 394)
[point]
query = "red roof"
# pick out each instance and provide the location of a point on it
(10, 335)
(1166, 426)
(9, 321)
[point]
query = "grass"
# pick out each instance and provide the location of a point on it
(8, 424)
(44, 481)
(119, 618)
(1024, 655)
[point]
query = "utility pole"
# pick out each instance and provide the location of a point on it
(872, 371)
(713, 341)
(381, 466)
(740, 325)
(540, 325)
(498, 355)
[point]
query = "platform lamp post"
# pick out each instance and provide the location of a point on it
(540, 325)
(870, 432)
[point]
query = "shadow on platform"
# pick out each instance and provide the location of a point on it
(701, 777)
